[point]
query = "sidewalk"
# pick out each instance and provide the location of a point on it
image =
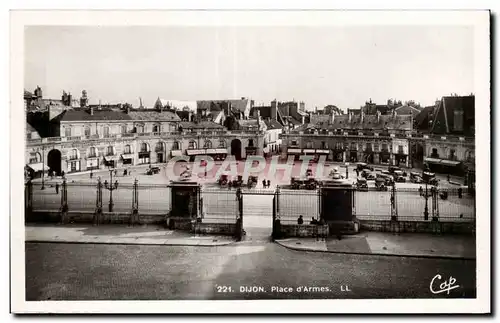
(379, 243)
(120, 234)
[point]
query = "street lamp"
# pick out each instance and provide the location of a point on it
(43, 167)
(426, 210)
(111, 187)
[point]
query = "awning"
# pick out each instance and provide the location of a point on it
(449, 162)
(38, 167)
(309, 151)
(192, 152)
(294, 150)
(221, 151)
(322, 151)
(128, 156)
(176, 153)
(432, 160)
(109, 158)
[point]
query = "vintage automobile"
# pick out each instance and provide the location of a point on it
(252, 181)
(399, 176)
(430, 178)
(309, 172)
(415, 178)
(303, 183)
(153, 170)
(388, 179)
(361, 166)
(369, 176)
(223, 180)
(362, 184)
(380, 184)
(238, 182)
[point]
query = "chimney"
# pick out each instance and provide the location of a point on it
(274, 110)
(362, 116)
(350, 117)
(394, 113)
(127, 110)
(91, 111)
(378, 116)
(190, 116)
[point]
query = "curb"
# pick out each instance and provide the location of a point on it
(129, 243)
(375, 253)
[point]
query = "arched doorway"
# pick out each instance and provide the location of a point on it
(54, 161)
(236, 148)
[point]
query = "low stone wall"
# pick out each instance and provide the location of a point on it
(88, 217)
(228, 229)
(418, 226)
(302, 230)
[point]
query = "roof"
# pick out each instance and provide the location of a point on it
(444, 117)
(84, 115)
(152, 115)
(239, 105)
(28, 94)
(370, 122)
(407, 110)
(178, 104)
(200, 125)
(29, 128)
(422, 119)
(273, 124)
(183, 115)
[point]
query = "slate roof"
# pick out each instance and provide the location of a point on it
(370, 122)
(236, 105)
(444, 117)
(72, 115)
(407, 110)
(421, 120)
(273, 124)
(153, 115)
(200, 125)
(29, 128)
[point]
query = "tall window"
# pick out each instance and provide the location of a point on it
(385, 147)
(35, 158)
(124, 128)
(74, 154)
(308, 144)
(93, 152)
(368, 146)
(469, 156)
(176, 146)
(159, 147)
(156, 128)
(324, 145)
(192, 145)
(110, 151)
(434, 153)
(87, 131)
(294, 143)
(127, 149)
(207, 144)
(222, 143)
(144, 147)
(458, 120)
(140, 128)
(250, 142)
(452, 155)
(375, 147)
(353, 146)
(360, 147)
(106, 131)
(67, 132)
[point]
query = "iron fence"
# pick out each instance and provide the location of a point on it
(222, 205)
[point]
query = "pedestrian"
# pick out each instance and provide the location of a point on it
(357, 172)
(448, 177)
(459, 192)
(125, 172)
(268, 183)
(62, 174)
(300, 220)
(420, 191)
(313, 221)
(57, 188)
(91, 174)
(264, 183)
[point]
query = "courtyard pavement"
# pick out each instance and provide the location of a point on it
(120, 234)
(378, 243)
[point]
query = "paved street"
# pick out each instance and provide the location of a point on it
(121, 272)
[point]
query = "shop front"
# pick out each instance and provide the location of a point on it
(217, 154)
(401, 159)
(338, 155)
(323, 152)
(176, 153)
(444, 166)
(295, 152)
(92, 163)
(353, 156)
(144, 157)
(251, 151)
(309, 152)
(128, 159)
(110, 161)
(73, 166)
(192, 153)
(385, 157)
(36, 170)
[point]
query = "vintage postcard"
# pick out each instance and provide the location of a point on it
(250, 161)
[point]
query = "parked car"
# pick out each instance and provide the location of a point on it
(252, 181)
(430, 178)
(362, 185)
(303, 183)
(361, 166)
(237, 182)
(416, 178)
(223, 180)
(153, 170)
(380, 184)
(388, 179)
(399, 176)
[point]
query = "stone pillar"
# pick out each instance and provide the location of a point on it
(376, 158)
(392, 161)
(407, 161)
(343, 156)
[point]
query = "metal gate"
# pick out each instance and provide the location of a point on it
(258, 213)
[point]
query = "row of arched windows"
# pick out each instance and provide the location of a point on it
(87, 131)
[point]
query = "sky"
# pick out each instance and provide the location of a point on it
(344, 66)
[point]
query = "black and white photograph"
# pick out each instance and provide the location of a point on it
(237, 157)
